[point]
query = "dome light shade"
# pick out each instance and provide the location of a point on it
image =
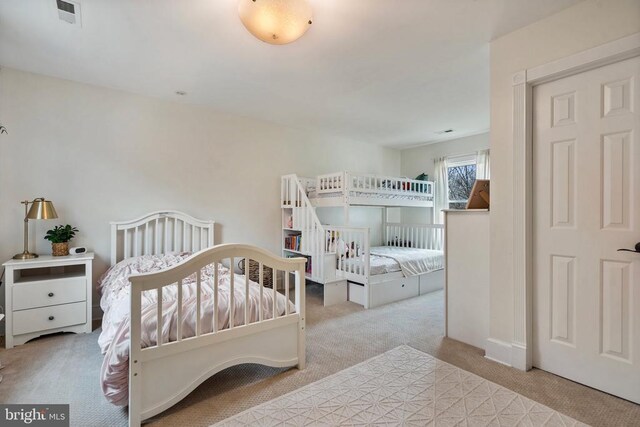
(276, 21)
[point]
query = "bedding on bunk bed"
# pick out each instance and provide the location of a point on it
(382, 265)
(411, 261)
(114, 287)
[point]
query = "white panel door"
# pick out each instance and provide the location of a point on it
(586, 294)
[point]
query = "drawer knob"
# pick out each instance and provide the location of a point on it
(403, 285)
(50, 294)
(51, 317)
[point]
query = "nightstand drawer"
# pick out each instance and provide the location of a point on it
(41, 319)
(49, 292)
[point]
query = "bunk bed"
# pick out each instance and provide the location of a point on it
(406, 262)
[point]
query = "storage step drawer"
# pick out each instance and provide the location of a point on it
(49, 292)
(44, 318)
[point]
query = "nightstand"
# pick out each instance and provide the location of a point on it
(47, 294)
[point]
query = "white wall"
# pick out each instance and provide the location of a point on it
(420, 159)
(415, 161)
(583, 26)
(103, 155)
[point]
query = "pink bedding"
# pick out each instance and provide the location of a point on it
(115, 290)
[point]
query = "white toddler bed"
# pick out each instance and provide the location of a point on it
(174, 318)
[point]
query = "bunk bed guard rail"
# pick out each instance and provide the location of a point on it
(351, 247)
(346, 182)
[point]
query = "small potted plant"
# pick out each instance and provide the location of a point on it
(59, 237)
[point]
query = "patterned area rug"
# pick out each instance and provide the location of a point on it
(403, 386)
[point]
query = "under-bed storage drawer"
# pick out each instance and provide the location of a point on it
(432, 281)
(394, 290)
(55, 316)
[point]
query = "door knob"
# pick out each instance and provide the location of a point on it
(51, 317)
(637, 249)
(50, 294)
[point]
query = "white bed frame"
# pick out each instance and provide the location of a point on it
(343, 189)
(378, 289)
(163, 374)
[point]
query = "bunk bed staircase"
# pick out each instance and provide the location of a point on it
(303, 234)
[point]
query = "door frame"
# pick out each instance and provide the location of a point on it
(522, 107)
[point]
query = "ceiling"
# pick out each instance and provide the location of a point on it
(388, 72)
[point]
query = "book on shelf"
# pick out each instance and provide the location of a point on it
(292, 242)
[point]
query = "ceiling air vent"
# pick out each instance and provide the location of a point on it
(69, 11)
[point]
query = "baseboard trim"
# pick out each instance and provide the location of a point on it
(498, 351)
(519, 358)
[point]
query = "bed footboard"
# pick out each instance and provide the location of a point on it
(162, 374)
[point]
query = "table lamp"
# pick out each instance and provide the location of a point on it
(40, 209)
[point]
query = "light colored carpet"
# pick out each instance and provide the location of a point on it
(65, 368)
(406, 387)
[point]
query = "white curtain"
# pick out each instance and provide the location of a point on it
(483, 165)
(441, 196)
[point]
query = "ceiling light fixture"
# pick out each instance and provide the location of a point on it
(276, 21)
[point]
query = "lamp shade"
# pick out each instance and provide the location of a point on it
(42, 209)
(276, 21)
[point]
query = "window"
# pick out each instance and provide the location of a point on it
(461, 174)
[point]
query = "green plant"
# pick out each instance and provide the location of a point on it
(61, 233)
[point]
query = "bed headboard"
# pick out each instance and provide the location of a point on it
(157, 233)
